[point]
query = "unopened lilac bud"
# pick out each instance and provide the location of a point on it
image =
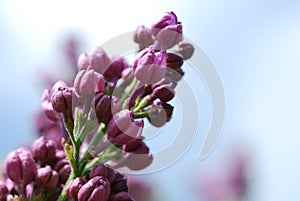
(164, 92)
(104, 171)
(174, 61)
(47, 178)
(43, 149)
(143, 37)
(167, 31)
(114, 70)
(20, 166)
(186, 50)
(136, 147)
(122, 129)
(88, 82)
(160, 113)
(62, 101)
(149, 66)
(83, 62)
(3, 191)
(121, 196)
(119, 184)
(96, 189)
(105, 106)
(64, 169)
(175, 75)
(98, 60)
(74, 187)
(127, 75)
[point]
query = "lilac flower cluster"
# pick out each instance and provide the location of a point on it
(96, 124)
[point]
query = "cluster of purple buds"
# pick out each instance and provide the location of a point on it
(102, 184)
(100, 120)
(34, 172)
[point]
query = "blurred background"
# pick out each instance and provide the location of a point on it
(255, 46)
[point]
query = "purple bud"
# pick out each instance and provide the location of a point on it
(43, 149)
(114, 70)
(104, 171)
(3, 191)
(88, 82)
(136, 147)
(47, 106)
(127, 75)
(164, 92)
(138, 161)
(98, 60)
(160, 113)
(83, 62)
(175, 76)
(62, 101)
(20, 166)
(143, 37)
(47, 178)
(119, 184)
(174, 61)
(105, 106)
(74, 187)
(121, 196)
(185, 49)
(96, 189)
(122, 129)
(149, 66)
(64, 169)
(167, 31)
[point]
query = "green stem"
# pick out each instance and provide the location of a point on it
(142, 104)
(128, 92)
(142, 114)
(63, 196)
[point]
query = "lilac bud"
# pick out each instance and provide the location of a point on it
(174, 61)
(43, 149)
(149, 66)
(136, 147)
(105, 106)
(20, 166)
(47, 178)
(3, 191)
(175, 76)
(114, 70)
(96, 189)
(47, 106)
(143, 37)
(64, 169)
(104, 171)
(121, 196)
(164, 92)
(127, 75)
(138, 161)
(98, 60)
(62, 101)
(167, 31)
(185, 49)
(119, 184)
(160, 113)
(74, 187)
(88, 82)
(122, 129)
(83, 62)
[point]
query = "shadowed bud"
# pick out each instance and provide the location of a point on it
(105, 106)
(136, 147)
(43, 149)
(47, 178)
(88, 82)
(175, 76)
(98, 60)
(160, 113)
(127, 75)
(103, 171)
(3, 191)
(122, 129)
(20, 166)
(185, 49)
(96, 189)
(121, 196)
(143, 37)
(62, 101)
(114, 70)
(64, 169)
(119, 184)
(74, 187)
(150, 66)
(164, 92)
(174, 61)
